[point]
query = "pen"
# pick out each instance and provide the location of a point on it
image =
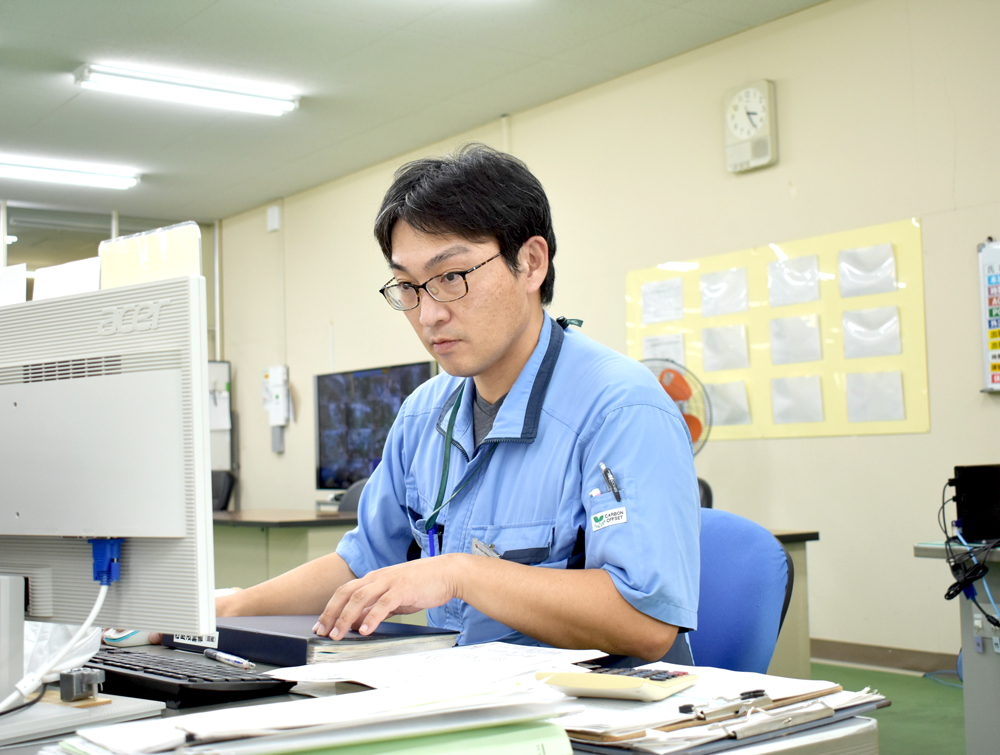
(229, 660)
(610, 479)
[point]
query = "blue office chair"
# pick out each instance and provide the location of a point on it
(746, 583)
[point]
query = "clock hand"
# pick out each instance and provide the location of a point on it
(750, 118)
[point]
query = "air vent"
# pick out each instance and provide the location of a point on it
(71, 368)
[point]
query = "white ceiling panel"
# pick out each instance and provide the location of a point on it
(377, 78)
(637, 46)
(747, 13)
(536, 28)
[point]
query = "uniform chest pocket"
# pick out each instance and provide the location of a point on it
(418, 524)
(529, 543)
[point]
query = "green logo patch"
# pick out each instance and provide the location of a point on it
(608, 518)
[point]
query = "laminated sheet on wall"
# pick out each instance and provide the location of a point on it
(845, 310)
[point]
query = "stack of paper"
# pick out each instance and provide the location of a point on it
(481, 664)
(310, 724)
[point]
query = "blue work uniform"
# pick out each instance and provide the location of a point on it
(539, 496)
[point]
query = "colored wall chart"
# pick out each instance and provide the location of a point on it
(989, 279)
(816, 337)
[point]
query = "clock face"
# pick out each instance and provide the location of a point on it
(746, 113)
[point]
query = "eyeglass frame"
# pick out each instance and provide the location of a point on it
(423, 285)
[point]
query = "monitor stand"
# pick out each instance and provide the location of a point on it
(48, 720)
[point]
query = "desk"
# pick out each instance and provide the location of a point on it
(792, 654)
(858, 735)
(981, 670)
(254, 546)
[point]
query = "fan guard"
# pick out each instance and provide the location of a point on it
(689, 395)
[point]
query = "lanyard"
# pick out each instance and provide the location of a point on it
(431, 524)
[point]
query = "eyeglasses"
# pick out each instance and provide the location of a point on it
(446, 287)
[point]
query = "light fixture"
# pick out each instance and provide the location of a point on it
(11, 239)
(172, 88)
(50, 171)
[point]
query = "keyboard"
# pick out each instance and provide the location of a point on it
(178, 681)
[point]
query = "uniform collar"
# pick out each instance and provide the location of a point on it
(518, 418)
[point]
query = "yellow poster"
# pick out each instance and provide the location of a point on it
(816, 337)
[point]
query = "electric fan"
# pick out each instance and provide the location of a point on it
(689, 395)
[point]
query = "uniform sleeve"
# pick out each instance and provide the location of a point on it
(649, 541)
(383, 535)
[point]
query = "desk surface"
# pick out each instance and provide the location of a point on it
(281, 518)
(937, 550)
(307, 518)
(795, 536)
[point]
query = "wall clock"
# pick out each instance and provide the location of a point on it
(751, 127)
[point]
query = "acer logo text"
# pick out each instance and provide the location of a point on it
(131, 318)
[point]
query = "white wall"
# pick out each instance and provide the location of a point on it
(887, 110)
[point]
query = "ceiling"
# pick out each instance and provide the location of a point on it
(377, 78)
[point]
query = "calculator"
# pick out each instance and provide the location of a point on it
(647, 685)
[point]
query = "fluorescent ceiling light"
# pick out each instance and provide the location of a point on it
(68, 173)
(11, 239)
(204, 92)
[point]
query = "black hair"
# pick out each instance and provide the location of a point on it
(476, 193)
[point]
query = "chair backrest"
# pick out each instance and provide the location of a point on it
(222, 489)
(746, 582)
(705, 493)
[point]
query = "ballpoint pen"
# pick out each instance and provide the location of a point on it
(229, 660)
(610, 479)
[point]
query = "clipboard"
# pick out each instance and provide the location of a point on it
(720, 713)
(729, 743)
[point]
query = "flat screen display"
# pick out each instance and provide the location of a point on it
(354, 411)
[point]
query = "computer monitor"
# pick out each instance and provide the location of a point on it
(104, 433)
(354, 411)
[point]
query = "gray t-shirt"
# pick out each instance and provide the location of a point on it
(483, 415)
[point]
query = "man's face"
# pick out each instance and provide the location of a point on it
(487, 333)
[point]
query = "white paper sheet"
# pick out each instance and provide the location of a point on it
(78, 277)
(662, 301)
(729, 403)
(365, 710)
(493, 662)
(867, 270)
(219, 414)
(795, 339)
(724, 348)
(664, 347)
(875, 397)
(13, 284)
(724, 292)
(793, 281)
(796, 399)
(871, 332)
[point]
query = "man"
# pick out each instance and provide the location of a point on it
(542, 490)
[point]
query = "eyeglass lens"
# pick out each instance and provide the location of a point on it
(443, 288)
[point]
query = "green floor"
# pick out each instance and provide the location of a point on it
(925, 717)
